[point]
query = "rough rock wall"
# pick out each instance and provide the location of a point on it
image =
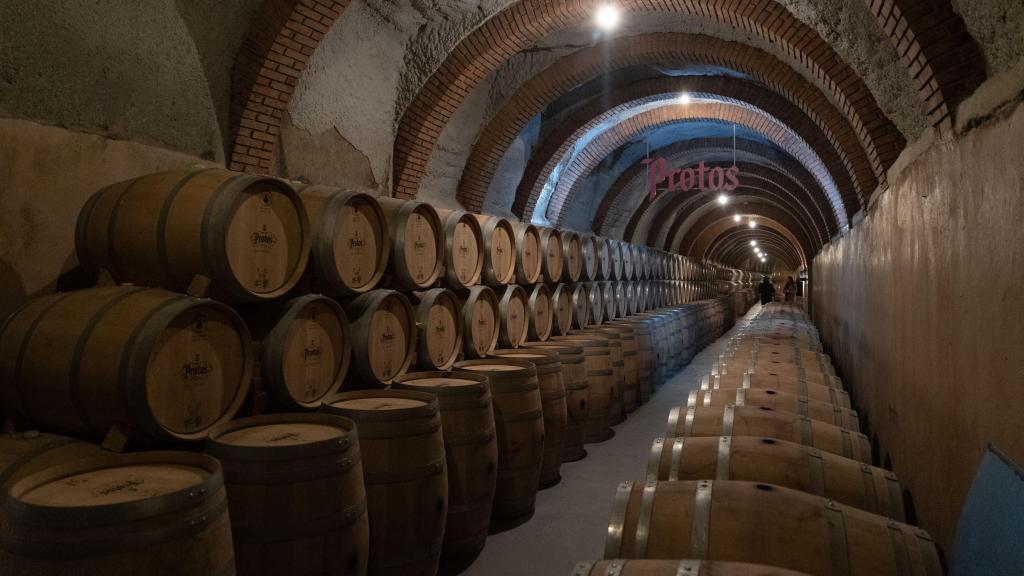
(921, 306)
(998, 27)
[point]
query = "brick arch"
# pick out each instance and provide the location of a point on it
(850, 185)
(703, 231)
(523, 24)
(282, 38)
(575, 173)
(730, 243)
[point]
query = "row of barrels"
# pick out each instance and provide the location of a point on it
(763, 472)
(383, 481)
(258, 238)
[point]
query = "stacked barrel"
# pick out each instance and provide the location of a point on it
(379, 383)
(765, 471)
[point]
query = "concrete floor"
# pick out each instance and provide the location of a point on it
(572, 517)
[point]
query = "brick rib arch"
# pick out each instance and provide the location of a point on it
(523, 24)
(702, 231)
(734, 244)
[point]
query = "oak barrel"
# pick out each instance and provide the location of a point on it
(628, 567)
(440, 325)
(761, 421)
(628, 272)
(604, 258)
(463, 248)
(499, 250)
(630, 364)
(541, 313)
(529, 254)
(818, 392)
(515, 317)
(737, 521)
(249, 234)
(580, 306)
(645, 356)
(554, 254)
(471, 452)
(588, 249)
(813, 409)
(519, 419)
(572, 261)
(145, 513)
(577, 393)
(159, 366)
(25, 453)
(404, 471)
(595, 299)
(417, 241)
(295, 494)
(615, 255)
(602, 385)
(481, 321)
(350, 244)
(616, 410)
(778, 462)
(383, 338)
(561, 309)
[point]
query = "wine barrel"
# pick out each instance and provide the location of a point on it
(609, 298)
(529, 254)
(248, 234)
(786, 369)
(678, 568)
(604, 258)
(616, 410)
(145, 513)
(778, 462)
(349, 239)
(295, 494)
(554, 254)
(573, 259)
(761, 421)
(540, 312)
(404, 472)
(588, 248)
(577, 391)
(645, 356)
(737, 521)
(439, 337)
(463, 248)
(630, 364)
(603, 386)
(817, 392)
(813, 409)
(561, 309)
(621, 299)
(383, 338)
(595, 299)
(580, 306)
(628, 272)
(303, 350)
(418, 243)
(471, 452)
(519, 418)
(515, 317)
(615, 271)
(156, 365)
(25, 453)
(552, 396)
(499, 250)
(482, 321)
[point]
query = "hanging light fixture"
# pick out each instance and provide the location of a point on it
(607, 17)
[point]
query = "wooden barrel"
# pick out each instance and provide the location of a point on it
(615, 253)
(471, 451)
(678, 568)
(595, 299)
(755, 522)
(144, 513)
(561, 309)
(295, 494)
(630, 365)
(580, 306)
(463, 248)
(383, 338)
(616, 408)
(154, 364)
(816, 392)
(628, 272)
(418, 243)
(778, 462)
(541, 313)
(604, 258)
(482, 321)
(404, 472)
(573, 260)
(515, 317)
(597, 360)
(588, 248)
(529, 254)
(553, 262)
(621, 299)
(499, 250)
(645, 356)
(348, 237)
(303, 352)
(786, 369)
(577, 392)
(248, 234)
(761, 421)
(813, 409)
(519, 420)
(25, 453)
(552, 396)
(439, 318)
(636, 298)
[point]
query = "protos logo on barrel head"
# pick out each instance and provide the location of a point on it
(263, 238)
(387, 336)
(196, 369)
(312, 352)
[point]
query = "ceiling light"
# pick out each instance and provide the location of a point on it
(753, 242)
(752, 224)
(685, 98)
(737, 218)
(607, 17)
(723, 199)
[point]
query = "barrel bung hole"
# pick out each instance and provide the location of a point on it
(490, 468)
(767, 409)
(767, 441)
(770, 392)
(764, 487)
(440, 505)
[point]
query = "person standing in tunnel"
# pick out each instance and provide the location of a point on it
(767, 290)
(789, 289)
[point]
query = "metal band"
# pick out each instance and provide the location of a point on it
(802, 387)
(705, 382)
(895, 497)
(832, 397)
(643, 525)
(741, 397)
(929, 553)
(722, 467)
(691, 400)
(728, 417)
(470, 439)
(317, 527)
(615, 568)
(408, 475)
(582, 569)
(870, 495)
(613, 541)
(677, 457)
(654, 462)
(837, 416)
(817, 470)
(746, 380)
(847, 443)
(899, 549)
(689, 568)
(673, 423)
(838, 553)
(707, 398)
(701, 519)
(522, 416)
(806, 431)
(688, 429)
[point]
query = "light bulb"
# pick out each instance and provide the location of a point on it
(685, 98)
(753, 242)
(753, 224)
(607, 17)
(737, 218)
(723, 199)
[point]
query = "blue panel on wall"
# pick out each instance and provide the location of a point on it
(988, 538)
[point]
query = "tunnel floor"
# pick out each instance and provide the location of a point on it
(571, 517)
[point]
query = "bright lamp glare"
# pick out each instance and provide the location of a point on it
(723, 199)
(753, 242)
(685, 98)
(753, 224)
(607, 17)
(737, 218)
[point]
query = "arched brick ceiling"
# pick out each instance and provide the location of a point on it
(523, 24)
(705, 229)
(574, 174)
(853, 184)
(731, 245)
(686, 227)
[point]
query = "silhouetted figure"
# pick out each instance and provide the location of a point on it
(767, 290)
(789, 289)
